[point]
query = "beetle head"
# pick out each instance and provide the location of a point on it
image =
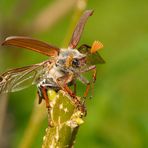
(71, 58)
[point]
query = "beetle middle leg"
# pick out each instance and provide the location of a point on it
(42, 94)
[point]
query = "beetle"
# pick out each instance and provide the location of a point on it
(61, 70)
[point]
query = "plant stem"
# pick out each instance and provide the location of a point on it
(65, 117)
(64, 122)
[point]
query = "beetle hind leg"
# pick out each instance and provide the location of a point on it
(42, 93)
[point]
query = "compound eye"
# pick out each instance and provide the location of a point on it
(75, 63)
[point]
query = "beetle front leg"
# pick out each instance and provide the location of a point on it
(62, 82)
(86, 82)
(76, 101)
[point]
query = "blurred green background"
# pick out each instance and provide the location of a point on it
(118, 113)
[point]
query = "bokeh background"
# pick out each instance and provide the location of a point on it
(118, 113)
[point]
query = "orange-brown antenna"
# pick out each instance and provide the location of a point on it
(96, 46)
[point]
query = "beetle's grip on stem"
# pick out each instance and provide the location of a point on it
(65, 119)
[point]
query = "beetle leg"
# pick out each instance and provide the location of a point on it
(90, 68)
(75, 100)
(45, 96)
(42, 93)
(86, 82)
(62, 82)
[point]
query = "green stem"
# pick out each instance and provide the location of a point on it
(64, 122)
(65, 117)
